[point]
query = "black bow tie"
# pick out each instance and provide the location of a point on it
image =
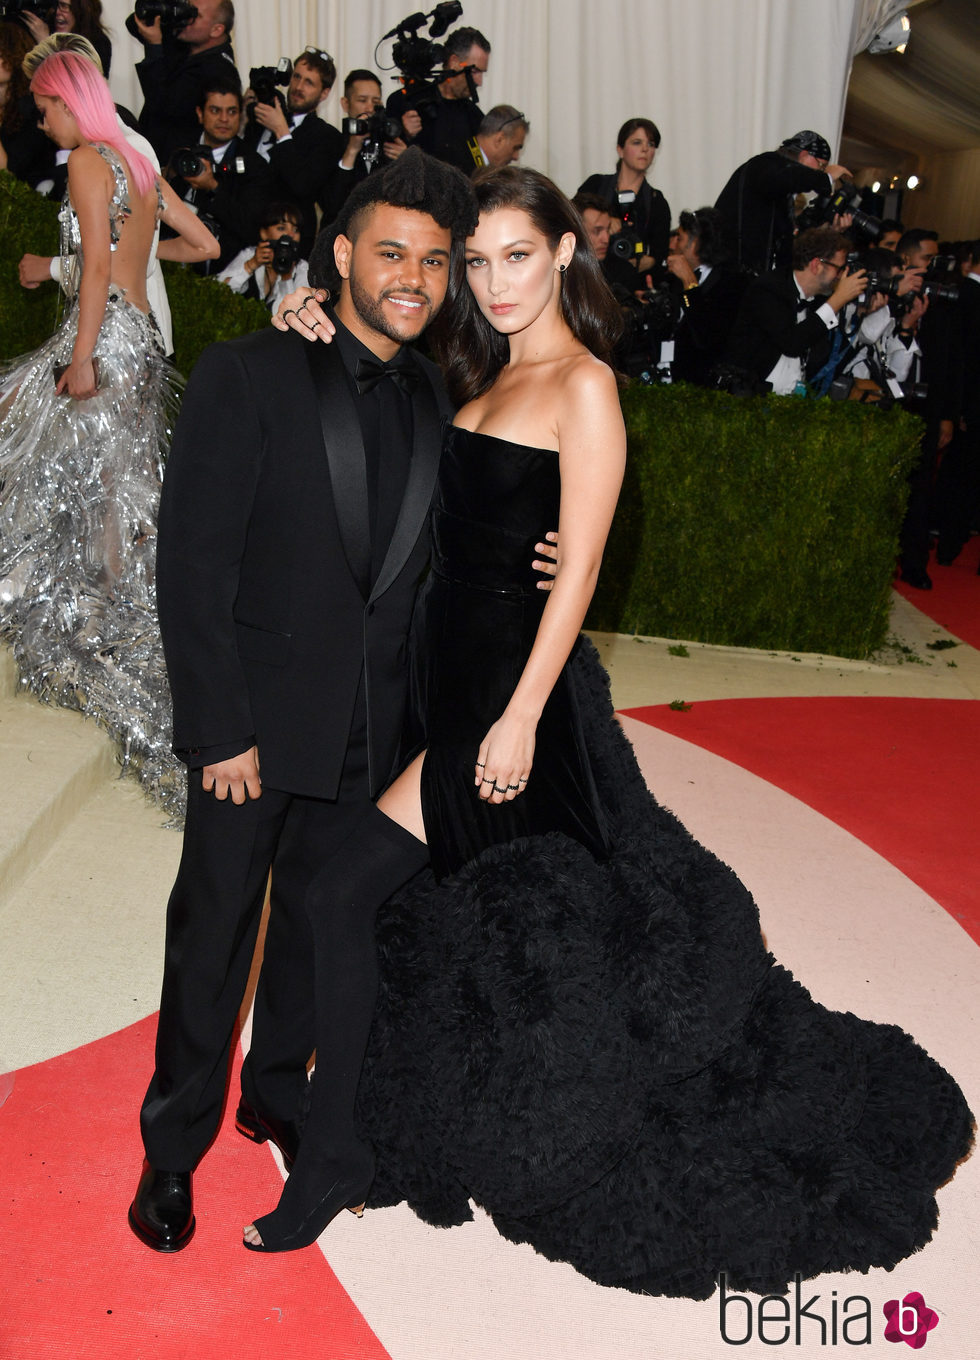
(368, 374)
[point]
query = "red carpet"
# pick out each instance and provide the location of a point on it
(954, 600)
(77, 1283)
(910, 787)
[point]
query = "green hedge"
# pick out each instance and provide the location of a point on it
(203, 309)
(758, 522)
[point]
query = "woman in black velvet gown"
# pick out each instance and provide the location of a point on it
(579, 1026)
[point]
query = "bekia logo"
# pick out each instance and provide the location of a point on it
(781, 1319)
(909, 1320)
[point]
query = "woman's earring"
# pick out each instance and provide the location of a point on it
(562, 268)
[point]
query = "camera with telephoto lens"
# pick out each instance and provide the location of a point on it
(847, 198)
(263, 81)
(188, 161)
(420, 60)
(939, 284)
(941, 281)
(377, 128)
(285, 253)
(44, 9)
(173, 14)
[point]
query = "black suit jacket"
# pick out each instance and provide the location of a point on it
(301, 166)
(173, 79)
(766, 327)
(701, 337)
(262, 537)
(756, 204)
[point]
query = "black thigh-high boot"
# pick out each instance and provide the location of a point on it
(334, 1168)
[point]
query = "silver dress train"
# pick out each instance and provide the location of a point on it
(79, 490)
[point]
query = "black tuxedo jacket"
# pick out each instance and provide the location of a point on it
(701, 338)
(766, 327)
(263, 536)
(302, 165)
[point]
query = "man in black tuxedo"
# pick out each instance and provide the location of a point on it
(301, 149)
(713, 291)
(292, 536)
(782, 334)
(232, 183)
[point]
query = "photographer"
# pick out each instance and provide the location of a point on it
(782, 334)
(299, 147)
(444, 122)
(185, 47)
(500, 138)
(220, 178)
(929, 334)
(713, 290)
(274, 267)
(757, 202)
(642, 211)
(381, 142)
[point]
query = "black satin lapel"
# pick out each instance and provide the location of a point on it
(426, 451)
(345, 457)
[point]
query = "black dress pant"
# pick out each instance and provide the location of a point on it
(212, 923)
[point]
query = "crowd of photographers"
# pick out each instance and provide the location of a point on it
(786, 285)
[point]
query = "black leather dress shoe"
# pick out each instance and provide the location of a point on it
(162, 1214)
(917, 577)
(261, 1128)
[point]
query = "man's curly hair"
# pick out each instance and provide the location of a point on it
(415, 181)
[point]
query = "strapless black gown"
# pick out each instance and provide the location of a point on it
(579, 1025)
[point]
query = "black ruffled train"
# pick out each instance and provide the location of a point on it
(595, 1045)
(606, 1058)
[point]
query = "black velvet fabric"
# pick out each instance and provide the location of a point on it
(601, 1051)
(479, 614)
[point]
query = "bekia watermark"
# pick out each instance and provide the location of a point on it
(791, 1319)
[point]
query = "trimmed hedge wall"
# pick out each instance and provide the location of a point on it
(203, 309)
(757, 522)
(765, 522)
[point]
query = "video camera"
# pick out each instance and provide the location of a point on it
(173, 15)
(847, 198)
(420, 60)
(44, 9)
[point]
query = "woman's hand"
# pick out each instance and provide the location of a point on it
(39, 29)
(301, 312)
(78, 380)
(503, 764)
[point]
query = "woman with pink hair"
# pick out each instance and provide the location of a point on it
(84, 428)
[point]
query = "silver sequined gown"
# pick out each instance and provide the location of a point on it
(79, 489)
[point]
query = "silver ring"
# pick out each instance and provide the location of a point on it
(498, 789)
(515, 787)
(290, 311)
(314, 326)
(302, 305)
(488, 781)
(523, 779)
(481, 764)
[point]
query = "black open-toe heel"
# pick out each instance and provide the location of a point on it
(298, 1219)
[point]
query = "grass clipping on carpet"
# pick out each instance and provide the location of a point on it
(767, 522)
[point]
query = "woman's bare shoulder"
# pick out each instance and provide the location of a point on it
(584, 378)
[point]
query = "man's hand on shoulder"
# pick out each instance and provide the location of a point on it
(301, 311)
(238, 776)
